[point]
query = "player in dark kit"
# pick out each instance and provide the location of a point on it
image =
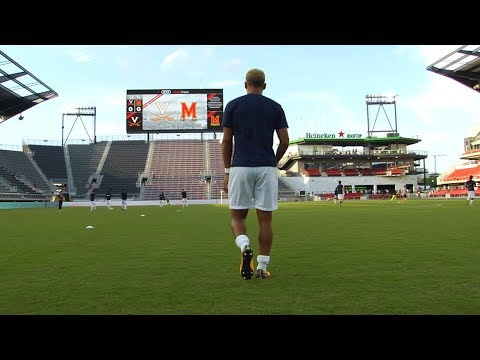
(339, 190)
(60, 201)
(108, 199)
(124, 196)
(92, 200)
(470, 185)
(162, 199)
(249, 124)
(184, 198)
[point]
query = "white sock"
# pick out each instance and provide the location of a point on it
(262, 262)
(242, 241)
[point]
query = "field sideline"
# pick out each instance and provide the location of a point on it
(365, 257)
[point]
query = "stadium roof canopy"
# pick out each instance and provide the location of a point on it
(366, 142)
(19, 89)
(462, 65)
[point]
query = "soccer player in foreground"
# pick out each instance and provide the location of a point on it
(251, 178)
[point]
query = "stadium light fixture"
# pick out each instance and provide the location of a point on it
(381, 99)
(2, 119)
(476, 86)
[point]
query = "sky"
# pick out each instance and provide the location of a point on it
(321, 88)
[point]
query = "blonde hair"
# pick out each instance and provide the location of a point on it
(255, 77)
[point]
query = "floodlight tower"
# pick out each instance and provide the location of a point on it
(78, 113)
(435, 162)
(381, 101)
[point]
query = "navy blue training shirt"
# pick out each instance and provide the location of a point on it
(253, 119)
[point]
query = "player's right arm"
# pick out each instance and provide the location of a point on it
(284, 139)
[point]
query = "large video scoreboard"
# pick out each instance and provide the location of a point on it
(174, 110)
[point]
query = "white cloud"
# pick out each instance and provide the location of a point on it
(79, 53)
(442, 113)
(442, 97)
(176, 57)
(209, 51)
(432, 53)
(127, 62)
(426, 54)
(231, 65)
(324, 111)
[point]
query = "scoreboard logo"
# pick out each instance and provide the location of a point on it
(134, 113)
(214, 119)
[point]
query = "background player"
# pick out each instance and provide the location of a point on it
(93, 206)
(184, 198)
(124, 196)
(108, 199)
(470, 185)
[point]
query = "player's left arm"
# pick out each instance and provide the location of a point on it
(227, 150)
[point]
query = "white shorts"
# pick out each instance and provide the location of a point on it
(471, 194)
(253, 187)
(340, 196)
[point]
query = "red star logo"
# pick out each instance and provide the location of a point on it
(341, 133)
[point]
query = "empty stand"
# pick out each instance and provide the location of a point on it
(84, 160)
(123, 165)
(177, 165)
(51, 160)
(19, 164)
(350, 172)
(461, 174)
(10, 181)
(216, 167)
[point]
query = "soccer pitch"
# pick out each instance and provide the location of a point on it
(364, 257)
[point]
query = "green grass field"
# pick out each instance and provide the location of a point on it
(366, 257)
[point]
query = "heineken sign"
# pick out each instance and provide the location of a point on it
(341, 134)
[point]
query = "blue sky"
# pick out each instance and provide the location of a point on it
(322, 88)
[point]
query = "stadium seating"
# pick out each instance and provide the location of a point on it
(51, 159)
(124, 163)
(366, 171)
(25, 169)
(350, 172)
(18, 185)
(333, 172)
(215, 167)
(313, 172)
(177, 165)
(84, 160)
(461, 174)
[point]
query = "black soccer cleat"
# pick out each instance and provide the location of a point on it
(262, 274)
(246, 266)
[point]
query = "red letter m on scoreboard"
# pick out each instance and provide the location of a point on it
(189, 111)
(215, 120)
